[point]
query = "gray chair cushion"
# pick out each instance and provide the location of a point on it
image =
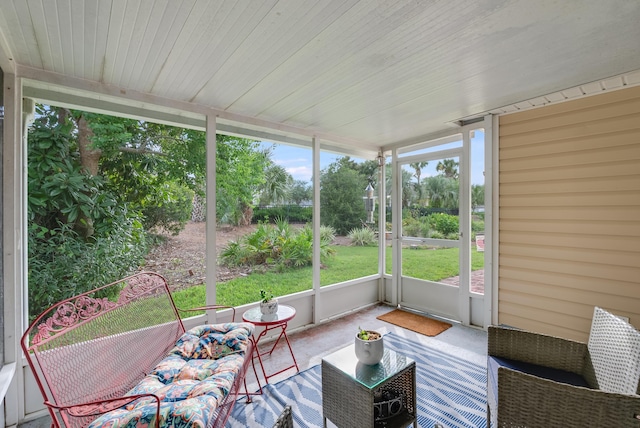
(555, 375)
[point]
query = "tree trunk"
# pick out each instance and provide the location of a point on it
(247, 216)
(89, 156)
(89, 159)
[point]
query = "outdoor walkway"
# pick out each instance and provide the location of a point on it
(477, 281)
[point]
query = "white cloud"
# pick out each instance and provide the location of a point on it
(293, 161)
(300, 172)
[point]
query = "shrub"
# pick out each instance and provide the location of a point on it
(444, 223)
(262, 215)
(411, 227)
(168, 209)
(279, 245)
(327, 233)
(477, 225)
(291, 213)
(362, 237)
(62, 265)
(434, 234)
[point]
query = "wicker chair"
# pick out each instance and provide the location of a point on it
(535, 380)
(285, 420)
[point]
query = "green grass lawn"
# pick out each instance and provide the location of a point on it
(348, 263)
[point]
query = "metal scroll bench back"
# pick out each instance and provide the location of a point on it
(88, 351)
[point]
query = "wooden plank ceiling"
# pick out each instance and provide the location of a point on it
(362, 73)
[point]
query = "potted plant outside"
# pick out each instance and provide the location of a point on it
(369, 346)
(268, 304)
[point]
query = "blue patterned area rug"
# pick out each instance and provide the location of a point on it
(450, 391)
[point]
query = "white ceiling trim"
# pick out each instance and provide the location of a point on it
(622, 81)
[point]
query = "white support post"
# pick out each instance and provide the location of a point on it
(396, 230)
(464, 216)
(492, 214)
(382, 216)
(315, 146)
(14, 243)
(211, 255)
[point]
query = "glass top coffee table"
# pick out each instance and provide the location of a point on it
(356, 395)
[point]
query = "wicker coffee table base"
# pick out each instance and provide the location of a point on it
(347, 403)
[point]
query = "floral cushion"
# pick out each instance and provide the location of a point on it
(192, 381)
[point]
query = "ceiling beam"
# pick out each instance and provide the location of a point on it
(95, 105)
(120, 100)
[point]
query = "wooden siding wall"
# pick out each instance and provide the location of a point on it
(570, 214)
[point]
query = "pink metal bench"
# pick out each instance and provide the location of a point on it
(120, 355)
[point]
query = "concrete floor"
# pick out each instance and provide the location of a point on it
(311, 344)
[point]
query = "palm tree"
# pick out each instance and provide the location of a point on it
(418, 167)
(452, 195)
(442, 192)
(408, 191)
(448, 168)
(477, 195)
(276, 187)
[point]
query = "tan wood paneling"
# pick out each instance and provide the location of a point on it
(624, 228)
(583, 255)
(577, 298)
(595, 213)
(617, 107)
(570, 213)
(570, 145)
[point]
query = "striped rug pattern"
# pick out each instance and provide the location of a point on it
(450, 391)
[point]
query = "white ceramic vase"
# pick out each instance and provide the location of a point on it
(369, 352)
(269, 308)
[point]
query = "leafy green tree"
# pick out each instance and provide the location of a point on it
(346, 162)
(240, 173)
(164, 152)
(300, 192)
(369, 169)
(150, 164)
(144, 164)
(79, 234)
(60, 189)
(341, 191)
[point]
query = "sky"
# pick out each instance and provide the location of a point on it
(298, 161)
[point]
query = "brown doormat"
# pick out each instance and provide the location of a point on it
(415, 322)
